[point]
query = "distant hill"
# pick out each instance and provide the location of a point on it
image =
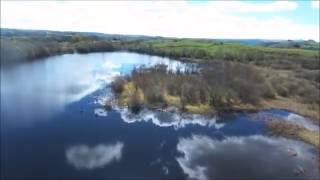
(5, 32)
(300, 44)
(309, 44)
(252, 42)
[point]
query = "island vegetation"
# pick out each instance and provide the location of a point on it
(208, 87)
(211, 87)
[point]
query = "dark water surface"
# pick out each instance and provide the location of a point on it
(53, 126)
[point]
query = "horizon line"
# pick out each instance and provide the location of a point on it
(155, 36)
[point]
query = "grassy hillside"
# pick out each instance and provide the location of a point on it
(310, 44)
(206, 50)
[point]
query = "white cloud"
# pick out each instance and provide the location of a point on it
(215, 19)
(82, 156)
(244, 7)
(315, 4)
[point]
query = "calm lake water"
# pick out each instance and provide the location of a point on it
(53, 126)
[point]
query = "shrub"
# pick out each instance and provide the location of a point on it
(154, 95)
(118, 84)
(135, 104)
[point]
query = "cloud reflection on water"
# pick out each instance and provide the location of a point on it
(100, 112)
(245, 157)
(85, 157)
(302, 121)
(168, 119)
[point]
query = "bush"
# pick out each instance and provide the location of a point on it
(135, 104)
(118, 84)
(311, 75)
(154, 95)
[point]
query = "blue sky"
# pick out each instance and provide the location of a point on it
(195, 19)
(304, 13)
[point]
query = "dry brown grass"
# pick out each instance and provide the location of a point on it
(129, 91)
(291, 104)
(199, 109)
(308, 110)
(287, 129)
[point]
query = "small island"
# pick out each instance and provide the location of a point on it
(203, 88)
(208, 89)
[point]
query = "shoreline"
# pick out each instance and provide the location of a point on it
(133, 98)
(288, 104)
(275, 126)
(279, 127)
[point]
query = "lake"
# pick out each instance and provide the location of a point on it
(53, 125)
